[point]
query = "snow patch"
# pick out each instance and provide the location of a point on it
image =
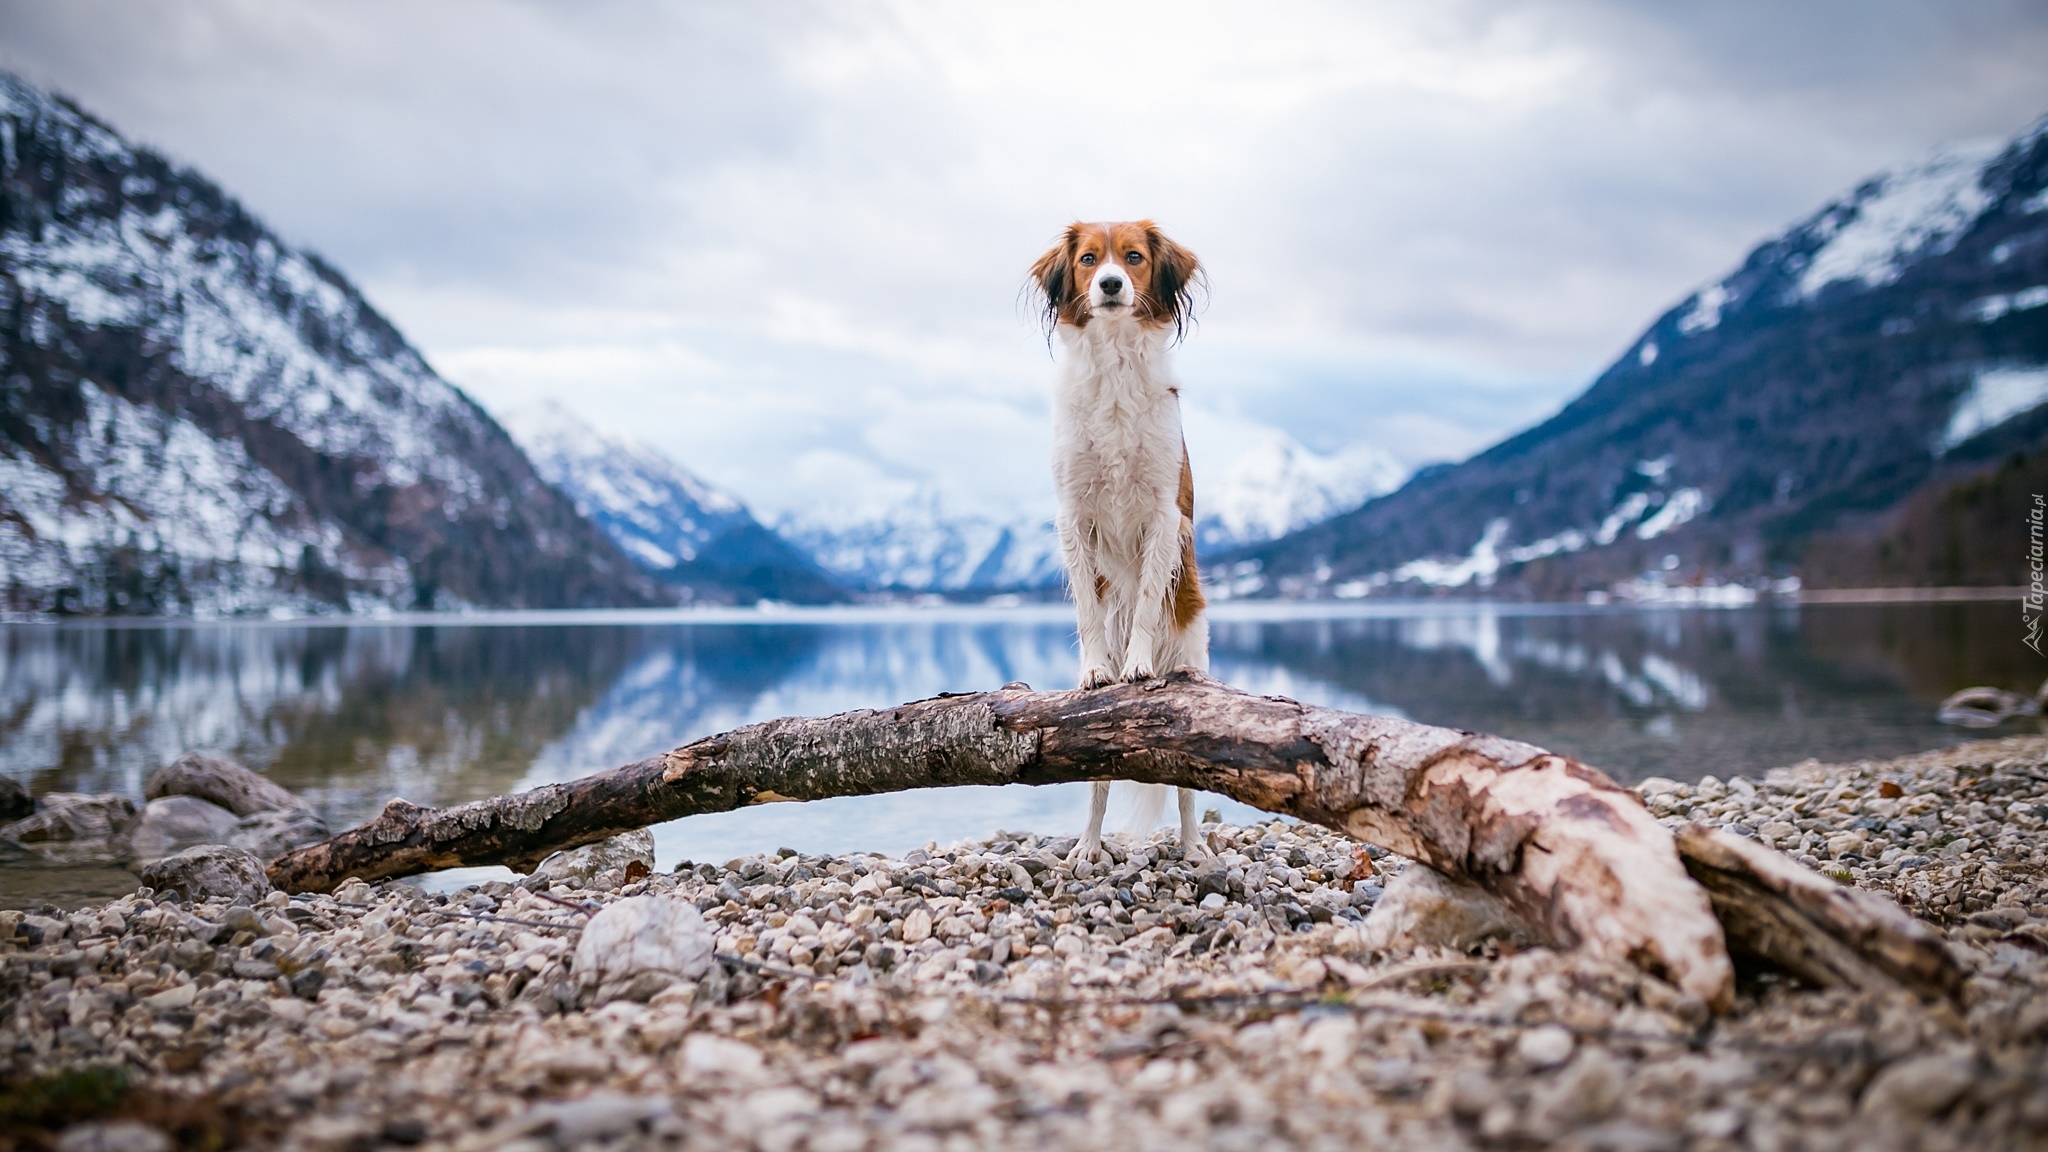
(1995, 396)
(1623, 515)
(1481, 564)
(1680, 507)
(1705, 313)
(1904, 214)
(1991, 308)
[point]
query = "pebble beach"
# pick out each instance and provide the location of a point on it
(992, 995)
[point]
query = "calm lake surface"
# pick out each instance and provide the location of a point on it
(445, 711)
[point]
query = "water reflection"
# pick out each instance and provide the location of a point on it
(350, 716)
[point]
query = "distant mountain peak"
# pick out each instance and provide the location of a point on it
(660, 512)
(673, 523)
(1277, 485)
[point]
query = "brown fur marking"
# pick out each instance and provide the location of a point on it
(1188, 600)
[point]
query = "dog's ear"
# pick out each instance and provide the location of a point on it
(1054, 275)
(1175, 275)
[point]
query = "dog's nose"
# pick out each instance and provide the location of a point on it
(1111, 285)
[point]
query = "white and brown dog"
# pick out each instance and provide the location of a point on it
(1118, 295)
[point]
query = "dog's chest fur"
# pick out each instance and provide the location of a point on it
(1117, 445)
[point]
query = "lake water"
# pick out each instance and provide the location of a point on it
(350, 715)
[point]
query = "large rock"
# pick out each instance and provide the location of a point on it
(269, 835)
(73, 817)
(208, 872)
(1423, 908)
(176, 823)
(15, 802)
(220, 782)
(582, 866)
(636, 947)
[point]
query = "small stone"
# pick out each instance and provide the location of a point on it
(270, 834)
(1545, 1047)
(1422, 907)
(582, 866)
(599, 1116)
(113, 1136)
(222, 783)
(15, 802)
(1921, 1086)
(307, 982)
(72, 817)
(1213, 902)
(706, 1053)
(917, 927)
(175, 823)
(1843, 843)
(209, 872)
(637, 936)
(1778, 832)
(172, 1000)
(242, 918)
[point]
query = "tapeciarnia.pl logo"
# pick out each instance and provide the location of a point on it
(2037, 595)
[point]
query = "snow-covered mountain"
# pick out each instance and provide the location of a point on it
(1266, 484)
(672, 522)
(196, 417)
(922, 544)
(1276, 485)
(1893, 342)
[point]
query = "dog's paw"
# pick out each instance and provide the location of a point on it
(1139, 670)
(1097, 677)
(1085, 850)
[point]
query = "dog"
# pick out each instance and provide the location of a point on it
(1118, 296)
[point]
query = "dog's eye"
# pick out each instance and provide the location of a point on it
(1088, 260)
(1134, 257)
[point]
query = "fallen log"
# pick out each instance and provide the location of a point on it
(1566, 848)
(1820, 931)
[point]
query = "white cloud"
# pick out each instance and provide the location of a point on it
(769, 237)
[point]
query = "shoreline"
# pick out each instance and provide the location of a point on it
(1051, 611)
(990, 996)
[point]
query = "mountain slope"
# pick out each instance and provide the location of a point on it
(672, 523)
(196, 417)
(1892, 340)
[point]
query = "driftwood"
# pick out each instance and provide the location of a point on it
(1561, 844)
(1823, 932)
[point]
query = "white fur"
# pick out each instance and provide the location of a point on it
(1116, 463)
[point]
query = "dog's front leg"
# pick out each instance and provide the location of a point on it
(1091, 606)
(1151, 609)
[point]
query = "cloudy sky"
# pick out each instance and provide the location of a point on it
(784, 241)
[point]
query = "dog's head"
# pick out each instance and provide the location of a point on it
(1120, 273)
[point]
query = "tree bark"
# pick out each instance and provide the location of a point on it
(1820, 931)
(1565, 847)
